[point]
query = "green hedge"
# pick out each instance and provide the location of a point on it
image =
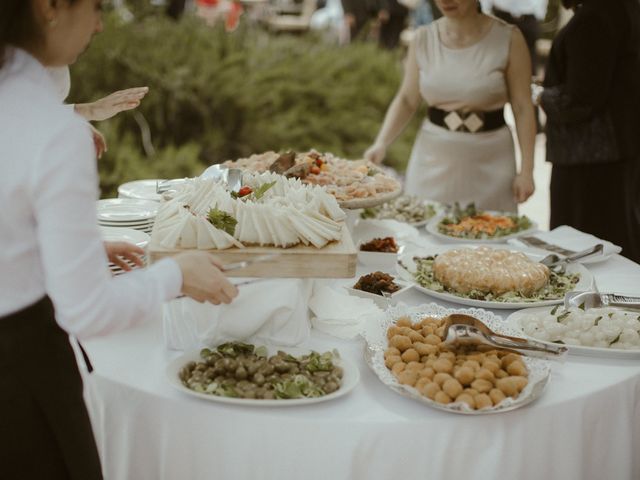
(216, 96)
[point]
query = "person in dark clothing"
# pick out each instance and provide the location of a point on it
(530, 28)
(592, 101)
(393, 20)
(357, 13)
(175, 8)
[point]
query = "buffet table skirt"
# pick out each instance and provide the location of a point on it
(585, 426)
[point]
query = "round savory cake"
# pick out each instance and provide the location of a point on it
(489, 270)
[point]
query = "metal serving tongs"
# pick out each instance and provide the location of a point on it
(464, 330)
(587, 300)
(245, 263)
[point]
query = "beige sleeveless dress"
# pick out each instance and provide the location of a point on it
(458, 166)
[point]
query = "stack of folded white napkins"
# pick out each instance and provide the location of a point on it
(273, 312)
(338, 313)
(286, 214)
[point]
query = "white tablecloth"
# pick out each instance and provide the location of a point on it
(585, 426)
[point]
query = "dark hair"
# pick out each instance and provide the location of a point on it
(17, 25)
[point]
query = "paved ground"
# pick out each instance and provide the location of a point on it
(537, 207)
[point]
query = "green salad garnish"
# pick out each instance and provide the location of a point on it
(472, 223)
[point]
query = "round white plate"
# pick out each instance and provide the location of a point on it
(438, 207)
(117, 234)
(584, 284)
(432, 228)
(375, 336)
(126, 210)
(350, 378)
(515, 321)
(141, 190)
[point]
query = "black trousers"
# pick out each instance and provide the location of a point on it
(45, 432)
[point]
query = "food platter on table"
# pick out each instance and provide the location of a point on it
(354, 183)
(271, 214)
(377, 342)
(472, 225)
(409, 209)
(553, 290)
(349, 380)
(612, 325)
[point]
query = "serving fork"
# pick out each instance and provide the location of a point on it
(537, 243)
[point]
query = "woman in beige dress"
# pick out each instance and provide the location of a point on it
(466, 66)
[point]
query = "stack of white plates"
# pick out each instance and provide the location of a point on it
(140, 190)
(127, 213)
(129, 235)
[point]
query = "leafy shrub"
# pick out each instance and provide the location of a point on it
(215, 96)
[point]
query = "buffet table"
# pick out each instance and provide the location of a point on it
(585, 426)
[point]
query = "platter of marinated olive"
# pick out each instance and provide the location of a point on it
(244, 374)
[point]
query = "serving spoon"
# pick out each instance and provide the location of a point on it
(554, 261)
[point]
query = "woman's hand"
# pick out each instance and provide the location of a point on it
(523, 187)
(118, 252)
(113, 104)
(203, 280)
(375, 153)
(98, 141)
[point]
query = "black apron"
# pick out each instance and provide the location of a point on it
(45, 432)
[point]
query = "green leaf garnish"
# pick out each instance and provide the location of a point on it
(222, 220)
(262, 189)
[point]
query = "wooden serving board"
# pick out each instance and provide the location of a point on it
(336, 260)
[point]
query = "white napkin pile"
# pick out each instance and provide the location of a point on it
(338, 313)
(270, 312)
(572, 239)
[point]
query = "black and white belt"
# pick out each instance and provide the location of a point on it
(467, 121)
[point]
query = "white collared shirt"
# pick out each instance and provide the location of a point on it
(517, 8)
(49, 239)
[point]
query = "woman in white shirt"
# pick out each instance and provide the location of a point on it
(51, 254)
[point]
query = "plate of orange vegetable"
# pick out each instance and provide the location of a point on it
(472, 225)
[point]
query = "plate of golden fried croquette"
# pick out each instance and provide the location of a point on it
(407, 353)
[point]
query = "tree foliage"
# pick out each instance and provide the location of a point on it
(215, 96)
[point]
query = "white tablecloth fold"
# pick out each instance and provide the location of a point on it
(339, 314)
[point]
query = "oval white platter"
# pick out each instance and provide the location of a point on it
(515, 321)
(350, 378)
(432, 228)
(376, 343)
(584, 284)
(437, 206)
